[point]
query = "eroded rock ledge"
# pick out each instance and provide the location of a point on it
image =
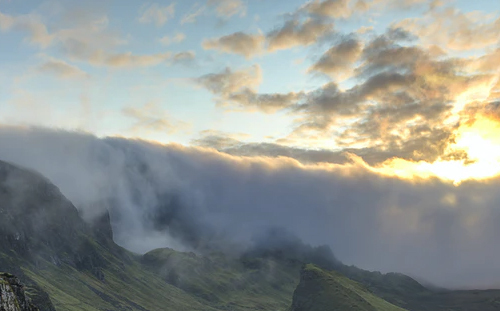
(12, 295)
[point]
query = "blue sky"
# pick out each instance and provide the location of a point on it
(234, 75)
(108, 90)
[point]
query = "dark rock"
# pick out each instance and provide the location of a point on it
(12, 295)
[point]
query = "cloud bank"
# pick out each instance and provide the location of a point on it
(194, 198)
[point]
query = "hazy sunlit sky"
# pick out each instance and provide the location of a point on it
(410, 86)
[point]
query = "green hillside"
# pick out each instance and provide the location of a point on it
(320, 290)
(52, 250)
(227, 283)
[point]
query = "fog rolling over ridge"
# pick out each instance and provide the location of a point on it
(189, 198)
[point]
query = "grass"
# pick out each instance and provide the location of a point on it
(320, 290)
(227, 283)
(128, 288)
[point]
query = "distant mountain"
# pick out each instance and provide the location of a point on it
(67, 264)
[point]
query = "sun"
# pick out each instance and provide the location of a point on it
(479, 140)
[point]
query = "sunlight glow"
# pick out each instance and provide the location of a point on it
(480, 140)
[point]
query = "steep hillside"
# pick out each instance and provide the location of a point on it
(320, 290)
(45, 242)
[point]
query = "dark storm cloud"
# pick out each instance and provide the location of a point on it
(193, 198)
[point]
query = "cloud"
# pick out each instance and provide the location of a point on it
(250, 100)
(403, 99)
(62, 69)
(235, 145)
(298, 33)
(238, 43)
(223, 8)
(294, 32)
(127, 59)
(307, 25)
(177, 38)
(343, 9)
(452, 29)
(397, 107)
(152, 118)
(195, 11)
(185, 57)
(228, 8)
(196, 198)
(29, 23)
(218, 140)
(232, 144)
(82, 51)
(330, 8)
(229, 81)
(337, 61)
(88, 39)
(154, 13)
(238, 89)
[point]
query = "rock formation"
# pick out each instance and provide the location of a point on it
(12, 296)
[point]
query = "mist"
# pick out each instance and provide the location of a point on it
(191, 198)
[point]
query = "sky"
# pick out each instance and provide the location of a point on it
(374, 125)
(395, 82)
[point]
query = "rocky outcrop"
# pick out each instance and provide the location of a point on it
(12, 296)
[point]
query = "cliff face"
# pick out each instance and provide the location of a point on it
(12, 296)
(38, 224)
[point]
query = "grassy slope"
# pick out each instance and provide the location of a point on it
(203, 283)
(125, 287)
(320, 290)
(218, 283)
(128, 289)
(210, 283)
(227, 283)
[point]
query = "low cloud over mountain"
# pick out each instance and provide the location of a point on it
(196, 199)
